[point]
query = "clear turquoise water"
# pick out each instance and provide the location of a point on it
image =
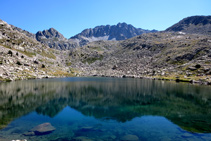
(105, 109)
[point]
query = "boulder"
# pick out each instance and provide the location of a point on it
(129, 138)
(42, 129)
(82, 138)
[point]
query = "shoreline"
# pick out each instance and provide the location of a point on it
(192, 81)
(166, 78)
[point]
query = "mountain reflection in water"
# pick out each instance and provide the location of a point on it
(186, 105)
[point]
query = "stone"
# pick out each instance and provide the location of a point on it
(129, 138)
(82, 138)
(41, 129)
(88, 128)
(29, 134)
(20, 140)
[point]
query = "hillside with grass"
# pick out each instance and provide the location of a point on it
(162, 55)
(23, 57)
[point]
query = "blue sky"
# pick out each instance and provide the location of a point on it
(70, 17)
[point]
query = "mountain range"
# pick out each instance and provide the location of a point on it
(121, 31)
(181, 52)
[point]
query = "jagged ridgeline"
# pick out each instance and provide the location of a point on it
(121, 31)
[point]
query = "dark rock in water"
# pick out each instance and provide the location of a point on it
(29, 134)
(3, 139)
(88, 128)
(41, 129)
(62, 139)
(82, 138)
(129, 138)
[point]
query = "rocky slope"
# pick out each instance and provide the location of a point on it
(121, 31)
(193, 25)
(31, 35)
(22, 57)
(175, 56)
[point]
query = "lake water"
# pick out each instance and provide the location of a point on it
(105, 109)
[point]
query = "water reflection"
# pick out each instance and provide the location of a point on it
(122, 100)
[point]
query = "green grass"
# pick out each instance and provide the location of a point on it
(68, 63)
(29, 54)
(49, 55)
(92, 59)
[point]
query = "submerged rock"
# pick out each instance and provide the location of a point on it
(20, 140)
(42, 129)
(129, 138)
(88, 128)
(187, 135)
(29, 134)
(82, 138)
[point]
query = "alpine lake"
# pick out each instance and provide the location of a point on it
(94, 108)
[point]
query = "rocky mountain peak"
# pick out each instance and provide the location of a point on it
(123, 24)
(49, 34)
(193, 25)
(54, 39)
